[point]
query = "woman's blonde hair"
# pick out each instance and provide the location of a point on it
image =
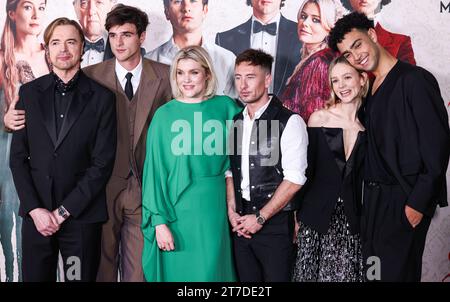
(8, 42)
(333, 100)
(201, 56)
(330, 11)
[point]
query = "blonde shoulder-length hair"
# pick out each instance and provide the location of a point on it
(201, 56)
(333, 100)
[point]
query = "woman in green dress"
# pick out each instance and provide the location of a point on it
(185, 225)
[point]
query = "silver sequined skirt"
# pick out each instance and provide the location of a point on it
(332, 257)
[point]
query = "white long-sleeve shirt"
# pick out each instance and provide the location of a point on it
(293, 145)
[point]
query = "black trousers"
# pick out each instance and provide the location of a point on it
(79, 244)
(387, 234)
(269, 255)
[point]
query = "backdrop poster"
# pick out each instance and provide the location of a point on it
(424, 23)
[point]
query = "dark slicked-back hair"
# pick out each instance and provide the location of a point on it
(249, 3)
(345, 25)
(255, 57)
(167, 2)
(122, 14)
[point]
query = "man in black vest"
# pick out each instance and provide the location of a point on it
(268, 163)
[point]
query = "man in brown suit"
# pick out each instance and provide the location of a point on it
(141, 86)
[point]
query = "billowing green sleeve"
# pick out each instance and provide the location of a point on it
(165, 177)
(156, 205)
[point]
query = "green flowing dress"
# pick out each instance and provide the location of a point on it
(184, 187)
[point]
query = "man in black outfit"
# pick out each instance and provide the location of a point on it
(268, 163)
(62, 160)
(407, 156)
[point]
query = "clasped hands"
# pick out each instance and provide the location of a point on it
(244, 226)
(47, 223)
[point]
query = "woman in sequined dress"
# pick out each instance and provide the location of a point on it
(329, 247)
(307, 88)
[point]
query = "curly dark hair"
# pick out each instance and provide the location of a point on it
(345, 25)
(249, 3)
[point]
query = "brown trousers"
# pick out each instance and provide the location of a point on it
(122, 239)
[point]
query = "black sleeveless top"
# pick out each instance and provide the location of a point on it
(331, 176)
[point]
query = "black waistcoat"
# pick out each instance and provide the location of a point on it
(266, 173)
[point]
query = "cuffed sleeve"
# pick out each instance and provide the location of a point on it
(294, 146)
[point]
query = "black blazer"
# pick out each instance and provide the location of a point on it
(408, 126)
(237, 40)
(330, 176)
(73, 169)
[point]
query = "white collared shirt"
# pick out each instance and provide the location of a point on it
(91, 56)
(222, 60)
(293, 144)
(121, 73)
(266, 42)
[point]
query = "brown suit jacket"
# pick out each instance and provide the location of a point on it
(153, 91)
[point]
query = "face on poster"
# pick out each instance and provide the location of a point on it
(186, 16)
(91, 15)
(22, 56)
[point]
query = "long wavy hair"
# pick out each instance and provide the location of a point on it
(8, 42)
